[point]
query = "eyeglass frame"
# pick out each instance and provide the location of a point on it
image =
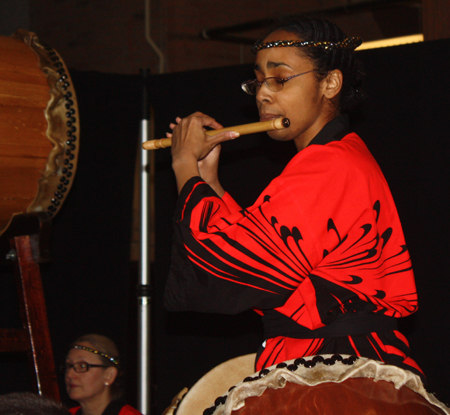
(67, 366)
(282, 81)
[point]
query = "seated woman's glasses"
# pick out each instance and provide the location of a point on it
(79, 367)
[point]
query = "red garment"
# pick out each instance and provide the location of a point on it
(126, 410)
(321, 243)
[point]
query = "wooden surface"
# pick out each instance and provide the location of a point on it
(24, 147)
(435, 19)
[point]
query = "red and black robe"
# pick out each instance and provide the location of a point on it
(320, 255)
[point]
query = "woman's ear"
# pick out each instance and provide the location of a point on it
(333, 84)
(110, 375)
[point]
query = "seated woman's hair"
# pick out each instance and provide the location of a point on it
(329, 48)
(109, 354)
(28, 403)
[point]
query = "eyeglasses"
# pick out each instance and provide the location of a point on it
(79, 367)
(274, 83)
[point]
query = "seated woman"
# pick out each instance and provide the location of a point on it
(93, 377)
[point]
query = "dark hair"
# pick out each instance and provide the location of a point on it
(28, 403)
(315, 29)
(105, 345)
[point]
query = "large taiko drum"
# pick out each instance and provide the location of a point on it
(39, 128)
(317, 385)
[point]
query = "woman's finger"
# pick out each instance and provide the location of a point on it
(224, 136)
(205, 120)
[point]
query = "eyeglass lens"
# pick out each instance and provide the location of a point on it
(252, 87)
(274, 83)
(79, 367)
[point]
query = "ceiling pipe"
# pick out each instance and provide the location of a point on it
(227, 33)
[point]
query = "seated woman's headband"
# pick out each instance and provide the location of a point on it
(348, 43)
(88, 349)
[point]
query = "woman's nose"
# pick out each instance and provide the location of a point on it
(264, 94)
(70, 373)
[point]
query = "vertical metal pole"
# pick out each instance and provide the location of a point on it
(143, 289)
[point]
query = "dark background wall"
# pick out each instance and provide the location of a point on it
(90, 282)
(110, 36)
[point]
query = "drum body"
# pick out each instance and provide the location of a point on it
(323, 384)
(39, 128)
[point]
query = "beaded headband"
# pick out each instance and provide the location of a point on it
(88, 349)
(348, 43)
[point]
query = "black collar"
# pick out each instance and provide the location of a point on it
(113, 408)
(334, 130)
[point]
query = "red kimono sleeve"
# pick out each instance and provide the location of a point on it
(226, 260)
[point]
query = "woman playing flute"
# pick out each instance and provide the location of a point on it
(321, 254)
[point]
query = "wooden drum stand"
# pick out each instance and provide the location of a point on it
(25, 243)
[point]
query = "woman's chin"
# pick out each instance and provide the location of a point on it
(279, 135)
(74, 395)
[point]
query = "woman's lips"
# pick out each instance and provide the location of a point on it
(267, 117)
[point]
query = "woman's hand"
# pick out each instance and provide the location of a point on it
(209, 167)
(190, 145)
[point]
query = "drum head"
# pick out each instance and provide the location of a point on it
(216, 382)
(327, 384)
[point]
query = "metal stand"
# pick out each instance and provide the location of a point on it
(144, 289)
